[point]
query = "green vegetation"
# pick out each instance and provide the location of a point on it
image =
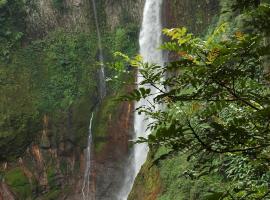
(215, 121)
(49, 76)
(54, 77)
(12, 26)
(19, 182)
(170, 178)
(148, 183)
(58, 4)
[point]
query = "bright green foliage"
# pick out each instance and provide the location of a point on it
(19, 182)
(216, 102)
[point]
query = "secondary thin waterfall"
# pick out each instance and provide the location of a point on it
(102, 83)
(102, 93)
(150, 40)
(87, 172)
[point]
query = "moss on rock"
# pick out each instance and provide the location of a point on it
(147, 185)
(19, 183)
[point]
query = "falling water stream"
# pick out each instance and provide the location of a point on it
(87, 173)
(150, 41)
(86, 193)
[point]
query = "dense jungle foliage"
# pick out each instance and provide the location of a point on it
(210, 140)
(211, 129)
(56, 76)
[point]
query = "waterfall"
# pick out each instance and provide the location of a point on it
(87, 171)
(102, 93)
(150, 40)
(102, 83)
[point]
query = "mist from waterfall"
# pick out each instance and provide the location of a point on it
(87, 172)
(102, 82)
(150, 40)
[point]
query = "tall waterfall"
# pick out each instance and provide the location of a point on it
(102, 83)
(87, 172)
(150, 41)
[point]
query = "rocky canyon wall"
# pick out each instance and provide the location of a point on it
(196, 15)
(53, 165)
(44, 16)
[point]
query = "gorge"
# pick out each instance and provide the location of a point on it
(83, 118)
(66, 156)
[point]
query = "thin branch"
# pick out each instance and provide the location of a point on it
(236, 96)
(221, 151)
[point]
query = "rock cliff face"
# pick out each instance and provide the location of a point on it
(5, 193)
(53, 165)
(196, 15)
(44, 16)
(111, 162)
(123, 11)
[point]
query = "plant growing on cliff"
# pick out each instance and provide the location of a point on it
(58, 4)
(216, 109)
(12, 25)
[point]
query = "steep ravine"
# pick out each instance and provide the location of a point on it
(52, 166)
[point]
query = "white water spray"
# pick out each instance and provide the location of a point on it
(87, 172)
(102, 83)
(150, 41)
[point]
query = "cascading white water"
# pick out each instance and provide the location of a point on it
(150, 41)
(102, 83)
(87, 171)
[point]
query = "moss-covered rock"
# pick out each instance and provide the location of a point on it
(18, 183)
(168, 179)
(148, 184)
